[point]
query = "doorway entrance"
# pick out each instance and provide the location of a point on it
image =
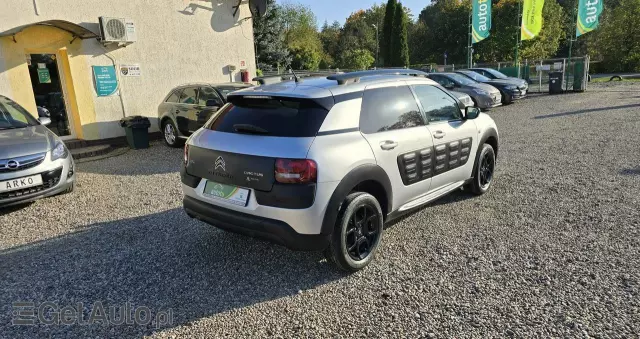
(49, 96)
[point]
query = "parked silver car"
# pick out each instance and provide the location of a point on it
(323, 163)
(34, 162)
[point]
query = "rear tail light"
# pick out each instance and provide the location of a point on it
(296, 171)
(186, 154)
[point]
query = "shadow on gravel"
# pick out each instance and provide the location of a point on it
(157, 159)
(14, 208)
(164, 261)
(590, 110)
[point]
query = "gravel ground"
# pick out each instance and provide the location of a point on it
(552, 250)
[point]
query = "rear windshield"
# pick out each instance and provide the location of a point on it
(276, 117)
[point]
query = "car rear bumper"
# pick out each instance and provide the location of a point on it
(272, 230)
(58, 176)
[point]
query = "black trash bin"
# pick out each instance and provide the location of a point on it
(556, 82)
(137, 130)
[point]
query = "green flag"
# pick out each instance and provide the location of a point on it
(481, 20)
(531, 19)
(588, 15)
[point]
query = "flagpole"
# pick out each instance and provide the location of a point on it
(469, 41)
(571, 33)
(517, 64)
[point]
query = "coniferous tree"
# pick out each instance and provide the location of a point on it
(399, 44)
(387, 33)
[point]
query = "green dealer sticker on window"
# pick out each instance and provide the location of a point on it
(227, 193)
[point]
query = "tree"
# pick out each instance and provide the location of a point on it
(399, 43)
(268, 33)
(357, 59)
(386, 43)
(446, 28)
(330, 39)
(301, 36)
(617, 41)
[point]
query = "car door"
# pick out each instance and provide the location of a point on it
(186, 110)
(455, 139)
(392, 124)
(207, 95)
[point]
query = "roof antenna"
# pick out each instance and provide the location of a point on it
(294, 74)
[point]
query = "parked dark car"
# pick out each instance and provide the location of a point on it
(510, 90)
(484, 96)
(186, 108)
(495, 74)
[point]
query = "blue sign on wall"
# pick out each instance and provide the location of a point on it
(105, 80)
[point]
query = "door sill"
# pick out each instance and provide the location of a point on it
(430, 196)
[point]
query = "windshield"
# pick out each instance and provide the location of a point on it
(475, 76)
(461, 79)
(496, 73)
(225, 90)
(13, 115)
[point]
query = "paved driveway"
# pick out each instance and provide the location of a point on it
(552, 250)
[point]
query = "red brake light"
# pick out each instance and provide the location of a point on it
(186, 154)
(296, 171)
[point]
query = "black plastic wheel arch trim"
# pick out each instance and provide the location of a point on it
(358, 175)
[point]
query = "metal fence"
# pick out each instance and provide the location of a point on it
(536, 72)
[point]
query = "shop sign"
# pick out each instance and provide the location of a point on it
(105, 80)
(43, 76)
(130, 70)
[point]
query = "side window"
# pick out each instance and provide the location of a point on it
(188, 96)
(208, 93)
(437, 104)
(443, 81)
(175, 96)
(389, 108)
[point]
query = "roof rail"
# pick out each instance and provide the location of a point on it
(355, 76)
(272, 79)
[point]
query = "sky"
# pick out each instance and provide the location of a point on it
(331, 10)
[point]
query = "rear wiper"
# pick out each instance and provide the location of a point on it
(252, 129)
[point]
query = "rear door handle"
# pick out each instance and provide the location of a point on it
(439, 134)
(388, 145)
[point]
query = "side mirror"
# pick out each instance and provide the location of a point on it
(471, 113)
(44, 121)
(449, 86)
(212, 103)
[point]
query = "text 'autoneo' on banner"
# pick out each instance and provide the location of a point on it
(588, 16)
(481, 20)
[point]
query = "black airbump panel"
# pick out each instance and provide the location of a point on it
(425, 163)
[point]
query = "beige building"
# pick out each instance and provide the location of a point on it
(52, 55)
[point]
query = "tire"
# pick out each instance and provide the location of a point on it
(168, 127)
(353, 248)
(506, 98)
(483, 171)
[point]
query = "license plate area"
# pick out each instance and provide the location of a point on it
(20, 183)
(226, 193)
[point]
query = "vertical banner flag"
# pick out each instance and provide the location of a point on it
(588, 16)
(481, 20)
(531, 19)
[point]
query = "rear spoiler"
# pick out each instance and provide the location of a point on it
(297, 76)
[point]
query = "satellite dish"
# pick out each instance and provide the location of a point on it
(258, 7)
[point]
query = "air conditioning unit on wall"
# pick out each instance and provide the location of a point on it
(117, 30)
